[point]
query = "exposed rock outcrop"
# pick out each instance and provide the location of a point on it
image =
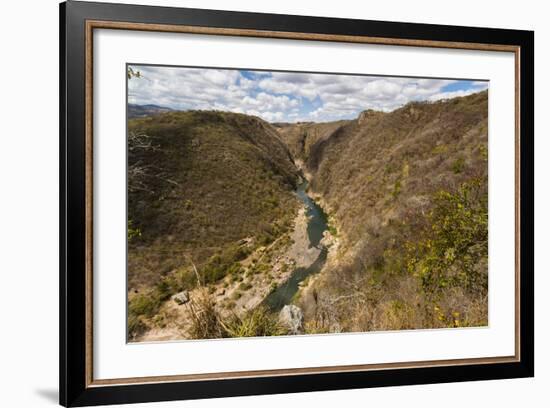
(292, 318)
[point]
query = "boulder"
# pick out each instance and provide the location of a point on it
(292, 318)
(327, 240)
(181, 298)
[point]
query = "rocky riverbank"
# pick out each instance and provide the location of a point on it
(237, 296)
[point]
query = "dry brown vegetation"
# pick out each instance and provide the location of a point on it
(211, 209)
(208, 323)
(206, 189)
(301, 137)
(409, 192)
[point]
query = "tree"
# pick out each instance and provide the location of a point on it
(133, 73)
(454, 247)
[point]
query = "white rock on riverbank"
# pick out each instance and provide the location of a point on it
(292, 318)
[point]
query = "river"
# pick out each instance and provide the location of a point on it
(316, 226)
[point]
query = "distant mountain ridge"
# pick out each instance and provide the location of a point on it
(141, 111)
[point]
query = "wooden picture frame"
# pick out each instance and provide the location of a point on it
(78, 20)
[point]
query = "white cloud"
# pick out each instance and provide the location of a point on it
(279, 96)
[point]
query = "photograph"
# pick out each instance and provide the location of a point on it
(278, 203)
(261, 202)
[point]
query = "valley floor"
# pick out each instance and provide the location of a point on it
(239, 296)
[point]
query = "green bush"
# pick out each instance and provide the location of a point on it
(454, 248)
(245, 286)
(132, 231)
(164, 289)
(225, 263)
(458, 165)
(147, 305)
(144, 305)
(236, 295)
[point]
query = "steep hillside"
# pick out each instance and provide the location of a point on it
(407, 191)
(200, 184)
(382, 163)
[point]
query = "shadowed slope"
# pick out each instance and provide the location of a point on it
(206, 181)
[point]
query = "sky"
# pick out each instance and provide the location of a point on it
(286, 96)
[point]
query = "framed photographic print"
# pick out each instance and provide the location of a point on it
(256, 203)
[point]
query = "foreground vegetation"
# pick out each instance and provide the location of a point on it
(208, 323)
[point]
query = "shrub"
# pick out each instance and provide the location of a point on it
(135, 326)
(396, 189)
(147, 305)
(184, 278)
(132, 231)
(207, 323)
(205, 319)
(458, 165)
(224, 263)
(258, 322)
(245, 286)
(144, 305)
(164, 289)
(139, 307)
(454, 248)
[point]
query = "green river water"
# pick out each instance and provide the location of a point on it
(317, 225)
